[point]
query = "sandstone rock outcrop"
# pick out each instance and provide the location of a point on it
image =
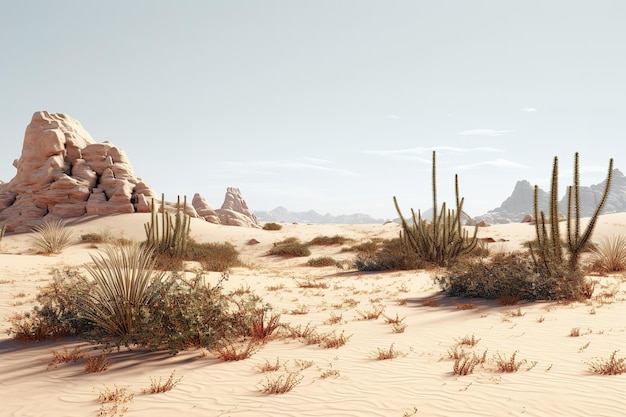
(204, 210)
(235, 211)
(62, 172)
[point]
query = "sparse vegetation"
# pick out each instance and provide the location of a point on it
(289, 248)
(321, 261)
(610, 366)
(272, 226)
(385, 354)
(387, 255)
(309, 283)
(465, 363)
(281, 384)
(508, 365)
(112, 402)
(213, 256)
(329, 240)
(237, 351)
(65, 356)
(51, 237)
(97, 363)
(609, 255)
(333, 341)
(158, 386)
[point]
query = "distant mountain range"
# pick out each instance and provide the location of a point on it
(512, 210)
(282, 215)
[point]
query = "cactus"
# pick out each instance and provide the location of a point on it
(444, 239)
(3, 228)
(549, 244)
(171, 238)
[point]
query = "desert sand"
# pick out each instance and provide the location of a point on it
(348, 381)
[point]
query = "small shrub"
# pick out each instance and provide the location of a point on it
(390, 255)
(263, 326)
(237, 352)
(334, 319)
(468, 341)
(365, 247)
(610, 254)
(299, 332)
(398, 327)
(465, 306)
(333, 341)
(213, 256)
(51, 237)
(289, 248)
(269, 367)
(508, 299)
(281, 384)
(272, 226)
(509, 365)
(385, 354)
(65, 356)
(94, 364)
(112, 402)
(329, 240)
(465, 364)
(157, 386)
(575, 332)
(372, 314)
(300, 310)
(393, 320)
(321, 261)
(610, 366)
(309, 283)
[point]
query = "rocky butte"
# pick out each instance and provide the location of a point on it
(63, 173)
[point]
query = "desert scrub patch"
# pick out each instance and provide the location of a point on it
(467, 340)
(333, 341)
(465, 363)
(289, 248)
(508, 365)
(267, 366)
(237, 351)
(51, 237)
(321, 261)
(389, 255)
(65, 356)
(373, 314)
(329, 240)
(158, 386)
(310, 283)
(213, 256)
(386, 354)
(96, 364)
(113, 401)
(281, 384)
(272, 226)
(610, 366)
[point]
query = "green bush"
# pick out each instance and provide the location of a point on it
(321, 261)
(329, 240)
(218, 257)
(272, 226)
(51, 237)
(389, 255)
(290, 247)
(509, 275)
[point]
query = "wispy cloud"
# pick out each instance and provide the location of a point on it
(529, 109)
(484, 132)
(275, 167)
(393, 116)
(417, 152)
(498, 163)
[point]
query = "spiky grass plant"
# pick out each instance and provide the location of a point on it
(610, 366)
(609, 255)
(51, 237)
(125, 285)
(281, 384)
(158, 386)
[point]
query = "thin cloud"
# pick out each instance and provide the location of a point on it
(484, 132)
(498, 163)
(529, 109)
(275, 167)
(415, 153)
(393, 116)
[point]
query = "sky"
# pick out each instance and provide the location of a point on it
(326, 105)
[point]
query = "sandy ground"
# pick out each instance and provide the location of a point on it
(348, 381)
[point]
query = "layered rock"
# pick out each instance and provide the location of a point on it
(204, 210)
(62, 172)
(235, 211)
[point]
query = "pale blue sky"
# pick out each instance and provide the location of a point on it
(327, 105)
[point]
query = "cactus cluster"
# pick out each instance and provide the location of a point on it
(444, 239)
(172, 235)
(549, 251)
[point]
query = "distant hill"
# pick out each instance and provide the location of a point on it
(520, 202)
(282, 215)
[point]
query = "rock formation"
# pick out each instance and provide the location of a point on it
(519, 205)
(235, 211)
(204, 210)
(63, 172)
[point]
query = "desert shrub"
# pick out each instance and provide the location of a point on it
(281, 384)
(98, 363)
(321, 261)
(57, 313)
(272, 226)
(329, 240)
(508, 276)
(290, 247)
(390, 255)
(367, 247)
(609, 255)
(157, 386)
(51, 237)
(610, 366)
(219, 257)
(128, 305)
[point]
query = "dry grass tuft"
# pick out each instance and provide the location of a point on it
(299, 332)
(467, 341)
(575, 332)
(65, 356)
(94, 364)
(112, 402)
(372, 314)
(465, 306)
(464, 364)
(610, 366)
(237, 351)
(334, 318)
(157, 386)
(610, 254)
(281, 384)
(270, 367)
(333, 341)
(509, 365)
(430, 302)
(263, 327)
(385, 354)
(309, 283)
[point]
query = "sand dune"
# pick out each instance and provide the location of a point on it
(348, 381)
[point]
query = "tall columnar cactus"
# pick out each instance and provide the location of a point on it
(444, 239)
(549, 243)
(2, 229)
(171, 237)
